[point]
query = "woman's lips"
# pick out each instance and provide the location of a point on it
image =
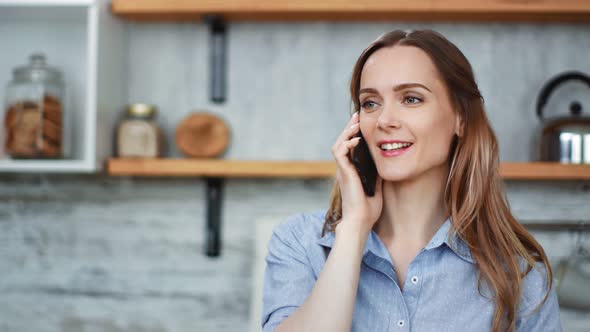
(396, 152)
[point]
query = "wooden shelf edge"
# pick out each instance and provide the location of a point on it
(540, 170)
(340, 10)
(221, 168)
(310, 169)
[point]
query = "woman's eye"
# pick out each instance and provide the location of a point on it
(368, 104)
(412, 100)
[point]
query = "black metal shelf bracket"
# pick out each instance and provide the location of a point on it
(218, 78)
(213, 232)
(217, 57)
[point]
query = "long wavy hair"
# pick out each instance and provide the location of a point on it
(474, 192)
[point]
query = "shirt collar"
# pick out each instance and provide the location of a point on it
(442, 236)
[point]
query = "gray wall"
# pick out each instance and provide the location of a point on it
(98, 253)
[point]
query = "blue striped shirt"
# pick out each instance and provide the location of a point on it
(440, 292)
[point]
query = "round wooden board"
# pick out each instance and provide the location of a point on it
(202, 135)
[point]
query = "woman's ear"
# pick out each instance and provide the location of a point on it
(458, 125)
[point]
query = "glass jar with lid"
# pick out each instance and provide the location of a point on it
(138, 133)
(33, 112)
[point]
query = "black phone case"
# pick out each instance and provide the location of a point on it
(365, 166)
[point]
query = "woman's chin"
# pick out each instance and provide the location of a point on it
(395, 175)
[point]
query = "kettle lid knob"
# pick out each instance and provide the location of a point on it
(575, 108)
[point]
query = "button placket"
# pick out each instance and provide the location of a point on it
(413, 285)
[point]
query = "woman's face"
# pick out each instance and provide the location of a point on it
(403, 99)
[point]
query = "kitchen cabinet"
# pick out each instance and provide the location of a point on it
(83, 40)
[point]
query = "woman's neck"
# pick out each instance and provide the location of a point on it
(413, 210)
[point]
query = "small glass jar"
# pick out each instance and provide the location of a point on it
(138, 133)
(33, 113)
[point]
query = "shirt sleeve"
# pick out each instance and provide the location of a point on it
(288, 277)
(530, 316)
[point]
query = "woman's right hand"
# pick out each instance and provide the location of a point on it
(359, 211)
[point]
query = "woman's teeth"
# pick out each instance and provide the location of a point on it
(394, 146)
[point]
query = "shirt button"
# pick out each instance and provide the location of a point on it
(400, 323)
(415, 279)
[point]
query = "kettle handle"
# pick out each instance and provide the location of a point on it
(553, 83)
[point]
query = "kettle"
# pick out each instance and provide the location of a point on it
(565, 139)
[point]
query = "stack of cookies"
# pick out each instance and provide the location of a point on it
(34, 130)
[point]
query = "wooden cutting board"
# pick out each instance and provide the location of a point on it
(202, 135)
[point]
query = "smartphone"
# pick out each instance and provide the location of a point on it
(365, 166)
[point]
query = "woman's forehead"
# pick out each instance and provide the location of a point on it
(396, 65)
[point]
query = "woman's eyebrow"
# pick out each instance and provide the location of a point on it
(396, 88)
(410, 85)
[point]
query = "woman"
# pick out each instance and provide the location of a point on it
(436, 248)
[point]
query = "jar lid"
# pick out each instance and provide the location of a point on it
(141, 110)
(37, 71)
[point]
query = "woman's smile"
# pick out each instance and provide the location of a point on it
(394, 149)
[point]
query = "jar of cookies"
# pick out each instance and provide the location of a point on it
(33, 112)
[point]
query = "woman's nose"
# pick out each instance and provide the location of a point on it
(389, 117)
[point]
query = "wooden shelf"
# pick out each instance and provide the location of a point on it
(221, 168)
(354, 10)
(544, 171)
(310, 169)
